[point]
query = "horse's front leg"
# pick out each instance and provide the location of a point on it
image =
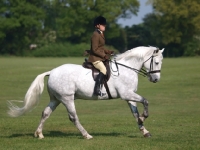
(134, 110)
(132, 96)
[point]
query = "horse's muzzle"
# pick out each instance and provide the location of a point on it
(156, 80)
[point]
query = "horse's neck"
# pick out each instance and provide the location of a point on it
(135, 63)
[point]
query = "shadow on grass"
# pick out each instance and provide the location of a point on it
(63, 134)
(20, 135)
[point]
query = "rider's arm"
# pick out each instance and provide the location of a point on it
(96, 48)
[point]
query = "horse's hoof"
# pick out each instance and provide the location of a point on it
(39, 135)
(147, 135)
(88, 137)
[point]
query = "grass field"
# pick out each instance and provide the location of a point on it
(174, 107)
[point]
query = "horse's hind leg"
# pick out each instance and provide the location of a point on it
(45, 114)
(70, 106)
(134, 110)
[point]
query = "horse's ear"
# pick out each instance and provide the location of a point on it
(162, 50)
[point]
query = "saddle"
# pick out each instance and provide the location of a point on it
(95, 73)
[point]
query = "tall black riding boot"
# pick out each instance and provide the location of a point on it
(97, 89)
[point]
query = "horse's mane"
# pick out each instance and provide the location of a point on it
(139, 52)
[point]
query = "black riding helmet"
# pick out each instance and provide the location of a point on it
(99, 20)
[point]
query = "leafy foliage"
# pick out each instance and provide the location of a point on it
(61, 50)
(178, 25)
(75, 17)
(26, 22)
(20, 22)
(51, 22)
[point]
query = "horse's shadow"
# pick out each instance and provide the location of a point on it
(63, 134)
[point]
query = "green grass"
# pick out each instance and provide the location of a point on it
(174, 105)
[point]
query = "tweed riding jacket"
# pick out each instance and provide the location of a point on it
(97, 50)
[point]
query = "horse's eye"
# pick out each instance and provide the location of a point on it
(156, 61)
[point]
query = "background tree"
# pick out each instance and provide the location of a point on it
(20, 21)
(75, 20)
(138, 35)
(50, 22)
(178, 24)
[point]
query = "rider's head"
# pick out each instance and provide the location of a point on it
(100, 23)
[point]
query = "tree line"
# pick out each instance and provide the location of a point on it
(173, 25)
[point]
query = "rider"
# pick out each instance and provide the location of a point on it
(98, 53)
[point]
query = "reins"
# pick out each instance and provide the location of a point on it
(142, 71)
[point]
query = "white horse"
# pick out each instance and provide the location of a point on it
(71, 81)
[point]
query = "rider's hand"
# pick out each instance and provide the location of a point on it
(111, 52)
(107, 57)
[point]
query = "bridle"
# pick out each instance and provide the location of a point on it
(142, 71)
(151, 71)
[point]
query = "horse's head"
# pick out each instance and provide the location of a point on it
(153, 64)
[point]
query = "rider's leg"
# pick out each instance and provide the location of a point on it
(101, 67)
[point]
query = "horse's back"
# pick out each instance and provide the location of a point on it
(68, 77)
(68, 69)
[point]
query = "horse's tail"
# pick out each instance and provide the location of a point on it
(31, 99)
